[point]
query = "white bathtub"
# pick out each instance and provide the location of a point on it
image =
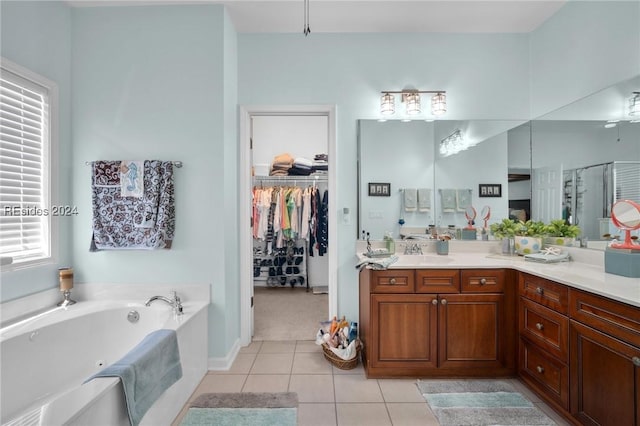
(46, 358)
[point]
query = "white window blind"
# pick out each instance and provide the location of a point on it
(24, 147)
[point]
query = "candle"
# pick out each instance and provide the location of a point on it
(66, 278)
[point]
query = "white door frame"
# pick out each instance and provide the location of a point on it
(246, 242)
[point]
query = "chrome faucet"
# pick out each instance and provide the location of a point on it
(175, 303)
(412, 248)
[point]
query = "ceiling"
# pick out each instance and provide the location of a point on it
(373, 16)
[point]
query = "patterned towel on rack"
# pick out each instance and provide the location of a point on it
(121, 222)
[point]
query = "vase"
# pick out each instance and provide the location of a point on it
(528, 245)
(507, 246)
(559, 241)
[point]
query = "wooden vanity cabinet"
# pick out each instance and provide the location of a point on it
(605, 360)
(544, 338)
(449, 324)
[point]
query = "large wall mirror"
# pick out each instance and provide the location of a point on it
(584, 157)
(571, 163)
(407, 176)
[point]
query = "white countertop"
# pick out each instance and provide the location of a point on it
(584, 272)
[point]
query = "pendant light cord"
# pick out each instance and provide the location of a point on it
(306, 29)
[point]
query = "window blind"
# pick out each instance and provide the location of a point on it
(627, 180)
(24, 139)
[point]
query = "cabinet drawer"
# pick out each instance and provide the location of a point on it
(437, 281)
(545, 327)
(393, 281)
(615, 318)
(545, 292)
(548, 374)
(482, 280)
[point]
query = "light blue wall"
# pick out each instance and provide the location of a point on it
(486, 76)
(153, 82)
(585, 47)
(36, 35)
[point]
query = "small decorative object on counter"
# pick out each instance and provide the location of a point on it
(340, 343)
(442, 245)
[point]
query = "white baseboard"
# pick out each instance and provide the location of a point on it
(224, 363)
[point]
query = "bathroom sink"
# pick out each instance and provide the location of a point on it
(422, 260)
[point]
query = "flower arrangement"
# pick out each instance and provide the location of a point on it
(559, 228)
(504, 229)
(531, 228)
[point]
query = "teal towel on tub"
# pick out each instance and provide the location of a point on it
(147, 371)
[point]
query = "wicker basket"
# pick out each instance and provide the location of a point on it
(342, 364)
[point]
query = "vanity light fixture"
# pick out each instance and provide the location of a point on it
(453, 144)
(634, 104)
(411, 99)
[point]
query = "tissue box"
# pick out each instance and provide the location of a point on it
(623, 262)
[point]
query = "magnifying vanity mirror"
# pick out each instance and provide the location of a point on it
(470, 214)
(625, 215)
(485, 214)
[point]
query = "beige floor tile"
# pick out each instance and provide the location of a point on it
(272, 364)
(241, 365)
(266, 383)
(312, 387)
(410, 414)
(358, 370)
(357, 389)
(220, 383)
(362, 414)
(252, 348)
(307, 346)
(400, 390)
(310, 363)
(272, 347)
(317, 414)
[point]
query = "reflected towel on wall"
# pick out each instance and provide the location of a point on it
(132, 178)
(410, 199)
(424, 200)
(145, 223)
(448, 200)
(463, 199)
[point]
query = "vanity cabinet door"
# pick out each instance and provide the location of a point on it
(605, 378)
(471, 331)
(403, 331)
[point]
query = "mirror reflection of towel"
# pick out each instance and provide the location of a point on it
(410, 199)
(448, 200)
(463, 199)
(424, 200)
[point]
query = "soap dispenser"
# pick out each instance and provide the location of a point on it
(391, 245)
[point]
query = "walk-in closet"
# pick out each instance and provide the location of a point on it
(289, 225)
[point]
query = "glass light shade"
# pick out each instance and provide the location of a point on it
(438, 104)
(634, 105)
(387, 104)
(413, 103)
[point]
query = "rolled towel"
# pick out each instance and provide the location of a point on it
(424, 200)
(410, 199)
(448, 200)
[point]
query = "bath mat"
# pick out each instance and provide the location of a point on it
(246, 408)
(480, 402)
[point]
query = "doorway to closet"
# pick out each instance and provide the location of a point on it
(288, 283)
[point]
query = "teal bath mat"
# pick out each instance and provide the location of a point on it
(247, 408)
(480, 403)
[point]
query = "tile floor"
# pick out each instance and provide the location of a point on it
(327, 395)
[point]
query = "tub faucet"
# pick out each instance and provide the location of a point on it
(175, 303)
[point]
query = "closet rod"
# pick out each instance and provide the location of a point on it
(177, 164)
(291, 177)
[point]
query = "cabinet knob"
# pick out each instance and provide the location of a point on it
(434, 301)
(540, 369)
(392, 281)
(539, 326)
(483, 281)
(443, 301)
(539, 290)
(636, 361)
